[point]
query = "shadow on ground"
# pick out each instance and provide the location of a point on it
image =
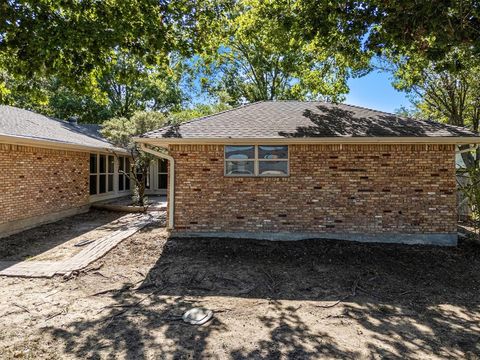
(38, 240)
(398, 302)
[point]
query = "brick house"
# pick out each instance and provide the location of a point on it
(298, 170)
(50, 169)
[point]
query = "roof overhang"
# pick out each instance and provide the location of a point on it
(454, 140)
(58, 145)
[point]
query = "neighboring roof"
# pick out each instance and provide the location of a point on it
(304, 120)
(24, 124)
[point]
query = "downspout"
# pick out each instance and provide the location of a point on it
(171, 181)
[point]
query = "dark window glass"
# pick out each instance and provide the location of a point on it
(93, 163)
(239, 152)
(93, 184)
(120, 182)
(102, 188)
(273, 168)
(239, 168)
(111, 164)
(127, 165)
(103, 164)
(121, 166)
(162, 165)
(272, 152)
(110, 182)
(162, 181)
(127, 183)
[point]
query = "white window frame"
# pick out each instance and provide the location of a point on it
(106, 173)
(256, 162)
(159, 172)
(126, 169)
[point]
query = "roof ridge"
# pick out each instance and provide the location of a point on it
(374, 110)
(205, 116)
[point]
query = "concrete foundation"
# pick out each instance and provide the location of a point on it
(439, 239)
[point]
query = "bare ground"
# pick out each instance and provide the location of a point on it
(56, 241)
(298, 300)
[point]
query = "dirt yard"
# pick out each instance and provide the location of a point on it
(299, 300)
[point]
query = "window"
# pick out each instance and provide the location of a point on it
(102, 188)
(256, 160)
(162, 174)
(111, 172)
(102, 169)
(93, 174)
(123, 170)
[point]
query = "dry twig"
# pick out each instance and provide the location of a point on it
(352, 294)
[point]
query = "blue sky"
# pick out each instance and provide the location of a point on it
(375, 91)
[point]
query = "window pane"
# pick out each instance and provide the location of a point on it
(127, 183)
(102, 184)
(93, 163)
(110, 182)
(272, 152)
(162, 165)
(239, 152)
(121, 162)
(127, 165)
(103, 164)
(120, 182)
(93, 184)
(273, 168)
(162, 181)
(239, 168)
(111, 162)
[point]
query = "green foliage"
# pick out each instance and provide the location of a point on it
(122, 88)
(408, 112)
(252, 56)
(445, 91)
(470, 187)
(75, 41)
(196, 112)
(120, 131)
(102, 59)
(409, 28)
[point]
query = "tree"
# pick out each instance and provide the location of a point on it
(120, 132)
(252, 56)
(409, 28)
(76, 40)
(453, 98)
(468, 180)
(196, 112)
(446, 91)
(122, 88)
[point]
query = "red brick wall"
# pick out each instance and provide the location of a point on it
(331, 188)
(37, 181)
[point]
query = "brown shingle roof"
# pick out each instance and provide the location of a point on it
(297, 119)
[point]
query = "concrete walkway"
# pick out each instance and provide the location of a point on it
(127, 226)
